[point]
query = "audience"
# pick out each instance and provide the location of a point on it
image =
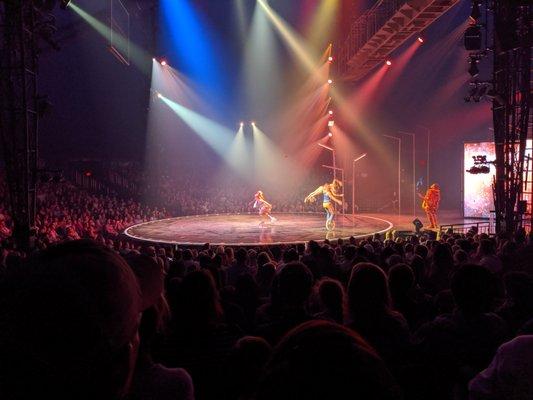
(323, 360)
(106, 317)
(69, 323)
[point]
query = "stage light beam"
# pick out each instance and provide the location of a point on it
(139, 57)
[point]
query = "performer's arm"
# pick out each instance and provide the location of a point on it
(336, 199)
(312, 195)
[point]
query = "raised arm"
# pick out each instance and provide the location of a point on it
(314, 193)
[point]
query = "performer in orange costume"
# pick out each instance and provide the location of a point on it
(430, 204)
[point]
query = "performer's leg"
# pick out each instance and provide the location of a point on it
(330, 213)
(433, 216)
(332, 218)
(428, 216)
(262, 217)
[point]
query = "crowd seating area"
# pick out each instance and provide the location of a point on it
(89, 315)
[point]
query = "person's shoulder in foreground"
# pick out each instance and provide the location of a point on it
(68, 325)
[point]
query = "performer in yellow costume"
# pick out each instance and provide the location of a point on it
(330, 192)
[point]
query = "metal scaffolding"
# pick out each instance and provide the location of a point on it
(384, 28)
(513, 35)
(18, 111)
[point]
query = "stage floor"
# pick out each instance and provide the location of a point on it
(244, 229)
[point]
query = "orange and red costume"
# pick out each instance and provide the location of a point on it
(430, 204)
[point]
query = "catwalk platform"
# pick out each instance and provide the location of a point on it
(244, 229)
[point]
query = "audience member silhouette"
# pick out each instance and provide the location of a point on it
(69, 325)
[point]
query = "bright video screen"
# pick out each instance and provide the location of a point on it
(478, 194)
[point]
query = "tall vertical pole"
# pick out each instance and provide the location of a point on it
(334, 165)
(428, 135)
(353, 189)
(353, 181)
(399, 176)
(399, 192)
(413, 148)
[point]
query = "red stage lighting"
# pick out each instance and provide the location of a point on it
(330, 59)
(421, 39)
(389, 62)
(330, 134)
(330, 81)
(330, 112)
(163, 63)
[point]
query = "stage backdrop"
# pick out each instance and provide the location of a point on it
(478, 196)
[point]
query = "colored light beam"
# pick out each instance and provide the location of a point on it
(218, 137)
(291, 38)
(305, 56)
(191, 42)
(400, 63)
(274, 170)
(322, 27)
(176, 87)
(239, 154)
(262, 67)
(139, 57)
(240, 13)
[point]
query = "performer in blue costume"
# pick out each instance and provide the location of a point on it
(330, 192)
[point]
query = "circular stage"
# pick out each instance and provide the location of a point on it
(244, 229)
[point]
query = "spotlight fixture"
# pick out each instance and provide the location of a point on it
(253, 123)
(473, 70)
(330, 112)
(330, 134)
(420, 39)
(242, 124)
(64, 4)
(330, 59)
(473, 38)
(159, 95)
(389, 62)
(330, 81)
(163, 63)
(476, 10)
(331, 123)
